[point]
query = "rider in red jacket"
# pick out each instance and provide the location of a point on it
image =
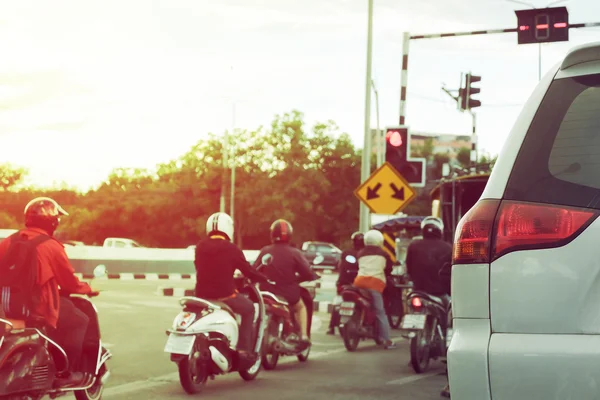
(67, 325)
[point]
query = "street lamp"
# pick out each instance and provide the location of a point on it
(539, 44)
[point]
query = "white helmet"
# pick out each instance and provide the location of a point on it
(431, 224)
(374, 238)
(220, 223)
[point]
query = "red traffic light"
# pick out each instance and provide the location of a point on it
(394, 137)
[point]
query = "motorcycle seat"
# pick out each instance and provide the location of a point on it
(196, 302)
(362, 292)
(275, 297)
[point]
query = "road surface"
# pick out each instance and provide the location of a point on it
(135, 314)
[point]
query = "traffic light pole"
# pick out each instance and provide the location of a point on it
(406, 42)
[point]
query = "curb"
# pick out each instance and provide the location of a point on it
(131, 276)
(318, 306)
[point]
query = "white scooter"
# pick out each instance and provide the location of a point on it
(204, 336)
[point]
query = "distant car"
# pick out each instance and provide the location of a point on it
(329, 252)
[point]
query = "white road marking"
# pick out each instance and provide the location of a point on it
(414, 378)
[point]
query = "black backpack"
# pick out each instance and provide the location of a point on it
(19, 292)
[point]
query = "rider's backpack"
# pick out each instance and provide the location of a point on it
(19, 291)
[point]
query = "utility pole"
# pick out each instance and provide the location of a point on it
(379, 140)
(366, 156)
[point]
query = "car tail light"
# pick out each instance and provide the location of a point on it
(491, 229)
(522, 226)
(473, 232)
(416, 302)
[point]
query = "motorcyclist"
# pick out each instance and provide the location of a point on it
(426, 257)
(374, 267)
(65, 323)
(216, 260)
(348, 269)
(427, 261)
(283, 264)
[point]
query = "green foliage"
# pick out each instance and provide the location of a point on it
(288, 170)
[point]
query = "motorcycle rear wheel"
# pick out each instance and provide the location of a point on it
(350, 336)
(270, 356)
(420, 349)
(251, 373)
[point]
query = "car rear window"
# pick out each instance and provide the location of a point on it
(559, 161)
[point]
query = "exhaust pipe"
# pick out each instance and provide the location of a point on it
(219, 359)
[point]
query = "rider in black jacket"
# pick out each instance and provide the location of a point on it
(280, 262)
(348, 269)
(426, 257)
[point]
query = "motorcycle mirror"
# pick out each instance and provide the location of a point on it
(351, 259)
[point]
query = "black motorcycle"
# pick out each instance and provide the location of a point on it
(426, 323)
(30, 361)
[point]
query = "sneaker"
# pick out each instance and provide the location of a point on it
(331, 332)
(389, 345)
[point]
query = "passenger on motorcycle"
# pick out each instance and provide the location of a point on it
(348, 269)
(54, 312)
(374, 266)
(426, 257)
(285, 262)
(216, 261)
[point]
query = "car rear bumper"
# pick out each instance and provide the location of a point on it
(468, 373)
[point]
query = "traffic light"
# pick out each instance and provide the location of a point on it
(543, 25)
(397, 154)
(396, 146)
(466, 101)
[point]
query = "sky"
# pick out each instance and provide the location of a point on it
(88, 86)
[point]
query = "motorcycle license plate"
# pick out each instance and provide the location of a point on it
(346, 308)
(413, 321)
(180, 344)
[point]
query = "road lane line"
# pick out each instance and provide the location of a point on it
(414, 378)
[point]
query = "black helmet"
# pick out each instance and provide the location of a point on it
(432, 227)
(358, 240)
(281, 231)
(43, 213)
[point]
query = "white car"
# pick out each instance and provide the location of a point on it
(526, 263)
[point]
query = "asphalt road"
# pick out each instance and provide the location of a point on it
(134, 316)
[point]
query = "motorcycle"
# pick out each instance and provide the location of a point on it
(282, 330)
(30, 361)
(203, 338)
(424, 324)
(357, 317)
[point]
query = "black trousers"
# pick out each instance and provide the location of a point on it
(70, 331)
(245, 308)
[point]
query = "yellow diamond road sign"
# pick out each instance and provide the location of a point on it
(386, 191)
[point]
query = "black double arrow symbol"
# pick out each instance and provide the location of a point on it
(372, 193)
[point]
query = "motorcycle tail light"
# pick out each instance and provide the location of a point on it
(416, 302)
(183, 320)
